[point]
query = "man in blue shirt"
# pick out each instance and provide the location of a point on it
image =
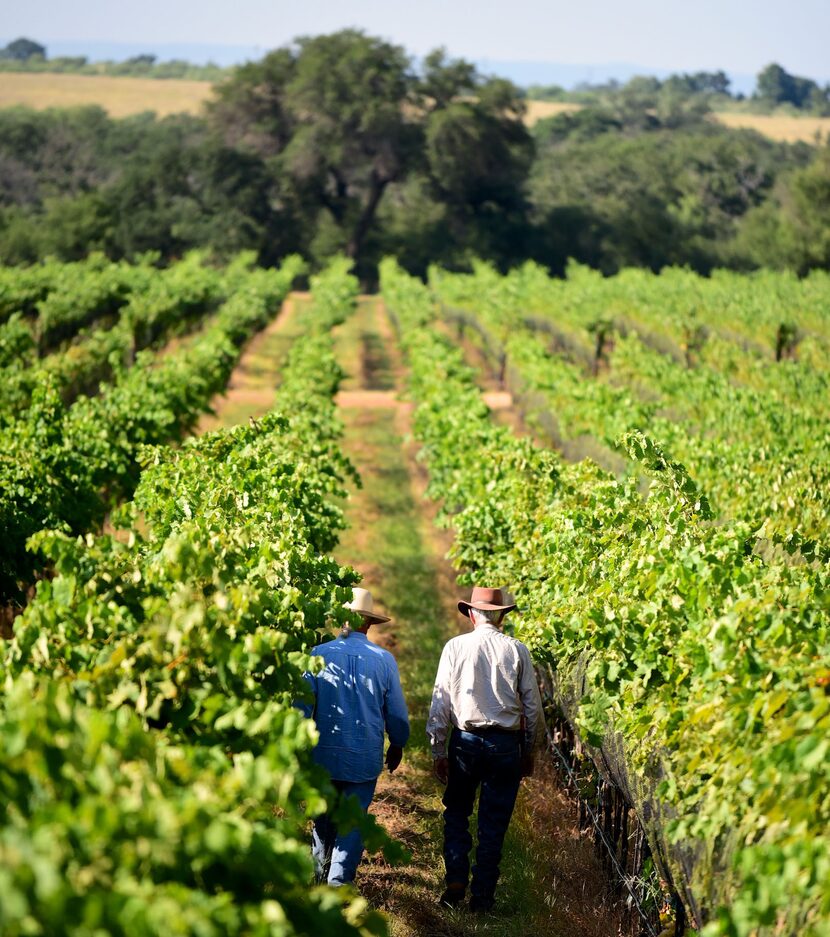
(357, 699)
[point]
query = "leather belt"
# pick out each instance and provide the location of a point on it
(484, 731)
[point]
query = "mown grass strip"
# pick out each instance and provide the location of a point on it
(547, 869)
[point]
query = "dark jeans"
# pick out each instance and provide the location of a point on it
(493, 762)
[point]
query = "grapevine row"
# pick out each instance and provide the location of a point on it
(61, 298)
(695, 672)
(66, 467)
(170, 301)
(760, 453)
(158, 778)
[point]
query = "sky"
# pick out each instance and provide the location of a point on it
(740, 36)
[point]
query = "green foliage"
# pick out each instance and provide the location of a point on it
(16, 341)
(477, 153)
(680, 206)
(157, 776)
(151, 305)
(339, 144)
(77, 181)
(344, 118)
(576, 126)
(331, 113)
(777, 86)
(701, 85)
(21, 50)
(96, 290)
(109, 829)
(65, 467)
(792, 229)
(698, 667)
(443, 80)
(752, 434)
(138, 66)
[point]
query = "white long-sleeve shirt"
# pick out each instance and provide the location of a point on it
(485, 679)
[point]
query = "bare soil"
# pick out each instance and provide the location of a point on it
(371, 399)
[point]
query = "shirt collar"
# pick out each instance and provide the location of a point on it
(488, 627)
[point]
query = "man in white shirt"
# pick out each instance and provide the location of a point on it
(486, 692)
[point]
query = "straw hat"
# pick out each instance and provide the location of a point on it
(362, 604)
(486, 599)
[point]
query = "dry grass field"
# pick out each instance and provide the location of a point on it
(539, 110)
(123, 96)
(783, 128)
(120, 97)
(787, 129)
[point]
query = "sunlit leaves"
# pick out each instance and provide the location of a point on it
(692, 660)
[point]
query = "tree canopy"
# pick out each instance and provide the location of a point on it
(343, 143)
(775, 86)
(342, 117)
(23, 49)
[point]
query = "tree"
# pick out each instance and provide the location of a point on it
(332, 114)
(353, 136)
(251, 110)
(774, 86)
(444, 81)
(581, 125)
(792, 229)
(341, 119)
(22, 50)
(659, 198)
(62, 149)
(477, 153)
(136, 65)
(700, 83)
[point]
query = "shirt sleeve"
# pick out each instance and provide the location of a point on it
(531, 699)
(395, 715)
(438, 723)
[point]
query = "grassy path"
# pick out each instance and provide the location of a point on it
(251, 390)
(551, 884)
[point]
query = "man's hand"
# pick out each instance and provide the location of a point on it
(441, 767)
(393, 757)
(527, 765)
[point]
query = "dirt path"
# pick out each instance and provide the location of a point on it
(388, 399)
(551, 884)
(251, 390)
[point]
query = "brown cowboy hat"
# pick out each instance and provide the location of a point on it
(363, 604)
(486, 599)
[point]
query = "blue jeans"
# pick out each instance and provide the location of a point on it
(336, 857)
(493, 763)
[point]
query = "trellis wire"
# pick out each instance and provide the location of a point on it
(601, 835)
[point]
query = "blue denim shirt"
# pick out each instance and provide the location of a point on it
(357, 697)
